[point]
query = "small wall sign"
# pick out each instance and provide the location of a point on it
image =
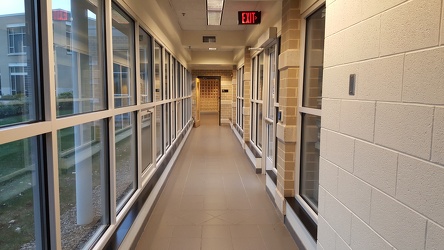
(248, 17)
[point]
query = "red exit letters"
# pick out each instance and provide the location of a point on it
(249, 17)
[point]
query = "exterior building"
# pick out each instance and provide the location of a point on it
(339, 103)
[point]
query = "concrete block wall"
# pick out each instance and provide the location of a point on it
(382, 149)
(288, 89)
(234, 95)
(247, 95)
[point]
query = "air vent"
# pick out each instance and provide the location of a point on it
(209, 39)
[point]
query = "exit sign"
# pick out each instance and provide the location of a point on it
(248, 17)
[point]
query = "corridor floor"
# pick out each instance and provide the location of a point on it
(213, 199)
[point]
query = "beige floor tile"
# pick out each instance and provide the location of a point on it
(245, 231)
(186, 231)
(248, 244)
(213, 199)
(185, 244)
(216, 244)
(156, 244)
(219, 231)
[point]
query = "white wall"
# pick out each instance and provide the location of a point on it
(382, 155)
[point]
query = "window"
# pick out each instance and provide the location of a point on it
(173, 120)
(125, 153)
(18, 78)
(79, 57)
(272, 106)
(146, 60)
(19, 88)
(21, 196)
(16, 40)
(158, 71)
(83, 171)
(159, 132)
(311, 106)
(256, 100)
(167, 119)
(166, 81)
(147, 140)
(68, 37)
(121, 84)
(123, 55)
(240, 99)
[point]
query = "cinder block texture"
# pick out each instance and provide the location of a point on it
(373, 7)
(336, 80)
(336, 21)
(354, 194)
(380, 79)
(435, 236)
(363, 237)
(339, 149)
(321, 203)
(410, 26)
(358, 119)
(376, 165)
(331, 112)
(442, 27)
(424, 77)
(438, 136)
(326, 234)
(398, 224)
(420, 186)
(328, 176)
(341, 244)
(356, 43)
(407, 128)
(338, 216)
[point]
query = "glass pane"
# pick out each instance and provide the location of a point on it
(166, 81)
(20, 197)
(260, 76)
(82, 184)
(179, 116)
(123, 56)
(158, 70)
(78, 56)
(253, 122)
(167, 108)
(310, 146)
(159, 131)
(18, 92)
(272, 83)
(254, 79)
(314, 60)
(270, 138)
(259, 125)
(146, 87)
(125, 158)
(147, 141)
(173, 120)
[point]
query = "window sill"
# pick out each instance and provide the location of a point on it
(305, 218)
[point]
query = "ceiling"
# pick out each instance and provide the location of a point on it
(191, 19)
(191, 14)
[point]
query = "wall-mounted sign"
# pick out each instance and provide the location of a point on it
(248, 17)
(225, 91)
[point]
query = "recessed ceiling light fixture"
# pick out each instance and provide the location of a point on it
(214, 11)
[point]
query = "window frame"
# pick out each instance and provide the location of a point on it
(304, 110)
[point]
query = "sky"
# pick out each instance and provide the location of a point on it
(13, 7)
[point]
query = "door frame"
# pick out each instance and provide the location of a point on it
(219, 95)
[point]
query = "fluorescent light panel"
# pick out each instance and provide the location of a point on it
(214, 11)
